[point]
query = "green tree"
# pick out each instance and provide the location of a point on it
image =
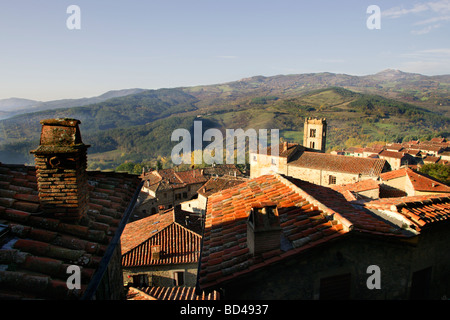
(438, 171)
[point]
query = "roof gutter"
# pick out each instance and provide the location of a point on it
(98, 276)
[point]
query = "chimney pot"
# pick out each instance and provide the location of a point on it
(61, 159)
(263, 229)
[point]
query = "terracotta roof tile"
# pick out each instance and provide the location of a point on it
(37, 249)
(309, 215)
(170, 293)
(339, 163)
(424, 210)
(419, 181)
(178, 242)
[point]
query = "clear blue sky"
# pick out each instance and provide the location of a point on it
(167, 43)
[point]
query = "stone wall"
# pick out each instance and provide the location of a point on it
(300, 277)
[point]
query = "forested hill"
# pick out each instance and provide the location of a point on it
(389, 106)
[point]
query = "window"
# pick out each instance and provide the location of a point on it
(331, 180)
(312, 133)
(312, 144)
(140, 280)
(184, 195)
(335, 288)
(178, 278)
(274, 161)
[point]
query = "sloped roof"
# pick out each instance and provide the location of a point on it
(392, 154)
(169, 293)
(359, 186)
(167, 179)
(340, 163)
(217, 184)
(37, 249)
(309, 216)
(422, 210)
(179, 242)
(419, 181)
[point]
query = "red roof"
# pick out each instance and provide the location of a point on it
(169, 293)
(419, 181)
(217, 184)
(37, 249)
(421, 210)
(178, 242)
(359, 186)
(166, 179)
(392, 154)
(309, 216)
(339, 163)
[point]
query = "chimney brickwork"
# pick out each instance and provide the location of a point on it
(61, 163)
(263, 229)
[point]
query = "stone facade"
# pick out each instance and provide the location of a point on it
(161, 275)
(345, 264)
(315, 134)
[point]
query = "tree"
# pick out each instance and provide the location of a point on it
(438, 171)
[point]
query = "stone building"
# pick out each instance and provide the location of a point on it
(315, 134)
(166, 188)
(310, 243)
(162, 250)
(412, 183)
(312, 164)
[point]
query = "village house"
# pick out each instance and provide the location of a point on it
(315, 166)
(59, 222)
(412, 183)
(166, 188)
(215, 185)
(396, 159)
(366, 189)
(162, 250)
(277, 237)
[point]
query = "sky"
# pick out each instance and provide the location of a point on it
(154, 44)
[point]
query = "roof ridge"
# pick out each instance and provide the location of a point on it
(344, 221)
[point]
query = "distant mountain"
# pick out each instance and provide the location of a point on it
(12, 104)
(15, 106)
(388, 106)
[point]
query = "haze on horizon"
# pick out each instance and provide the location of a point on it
(152, 45)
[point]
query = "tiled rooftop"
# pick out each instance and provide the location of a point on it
(421, 210)
(359, 186)
(392, 154)
(340, 163)
(309, 216)
(217, 184)
(37, 249)
(168, 179)
(169, 293)
(179, 242)
(419, 181)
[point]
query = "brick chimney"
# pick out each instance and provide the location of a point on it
(61, 161)
(263, 229)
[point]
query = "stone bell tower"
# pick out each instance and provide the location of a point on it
(61, 162)
(315, 134)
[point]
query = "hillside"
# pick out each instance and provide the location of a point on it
(138, 127)
(16, 106)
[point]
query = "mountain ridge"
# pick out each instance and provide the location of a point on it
(137, 127)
